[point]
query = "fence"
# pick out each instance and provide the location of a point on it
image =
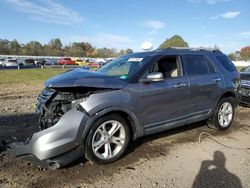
(43, 67)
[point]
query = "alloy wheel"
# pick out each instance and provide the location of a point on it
(225, 114)
(108, 139)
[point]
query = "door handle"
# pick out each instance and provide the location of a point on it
(180, 85)
(216, 79)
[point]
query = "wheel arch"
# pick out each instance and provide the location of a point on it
(228, 94)
(134, 126)
(224, 95)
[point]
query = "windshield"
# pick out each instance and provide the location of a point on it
(124, 67)
(12, 61)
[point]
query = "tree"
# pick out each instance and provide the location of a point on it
(4, 47)
(15, 48)
(33, 48)
(54, 47)
(174, 41)
(122, 52)
(106, 52)
(128, 51)
(66, 50)
(245, 53)
(55, 43)
(88, 48)
(78, 49)
(232, 56)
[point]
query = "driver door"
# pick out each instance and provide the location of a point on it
(165, 103)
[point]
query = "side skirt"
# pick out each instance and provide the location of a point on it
(177, 122)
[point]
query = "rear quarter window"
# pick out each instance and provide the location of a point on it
(226, 63)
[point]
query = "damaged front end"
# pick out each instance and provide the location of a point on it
(63, 118)
(53, 104)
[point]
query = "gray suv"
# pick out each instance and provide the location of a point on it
(97, 114)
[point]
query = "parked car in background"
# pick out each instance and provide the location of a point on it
(66, 61)
(10, 62)
(40, 61)
(96, 114)
(27, 62)
(101, 64)
(50, 61)
(1, 61)
(245, 86)
(94, 65)
(81, 62)
(100, 60)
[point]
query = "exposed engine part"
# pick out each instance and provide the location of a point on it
(54, 109)
(51, 115)
(58, 103)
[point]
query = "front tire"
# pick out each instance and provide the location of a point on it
(107, 139)
(223, 115)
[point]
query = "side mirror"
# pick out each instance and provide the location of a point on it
(153, 77)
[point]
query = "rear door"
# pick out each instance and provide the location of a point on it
(205, 83)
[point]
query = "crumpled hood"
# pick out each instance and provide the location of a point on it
(83, 78)
(245, 76)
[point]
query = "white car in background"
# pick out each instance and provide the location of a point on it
(1, 61)
(10, 62)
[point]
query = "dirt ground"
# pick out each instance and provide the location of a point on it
(174, 158)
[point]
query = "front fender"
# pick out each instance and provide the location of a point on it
(98, 101)
(138, 130)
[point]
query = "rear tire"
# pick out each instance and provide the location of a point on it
(223, 115)
(107, 140)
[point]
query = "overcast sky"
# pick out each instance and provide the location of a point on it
(128, 23)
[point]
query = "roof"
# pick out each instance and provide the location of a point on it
(175, 50)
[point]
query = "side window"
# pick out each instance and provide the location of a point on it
(226, 63)
(168, 66)
(210, 67)
(197, 65)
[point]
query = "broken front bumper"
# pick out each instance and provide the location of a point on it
(56, 146)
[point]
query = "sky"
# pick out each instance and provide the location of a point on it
(128, 23)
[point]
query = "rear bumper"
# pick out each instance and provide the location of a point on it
(60, 143)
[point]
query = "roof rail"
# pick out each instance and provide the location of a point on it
(194, 49)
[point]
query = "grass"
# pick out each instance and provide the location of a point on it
(30, 76)
(27, 76)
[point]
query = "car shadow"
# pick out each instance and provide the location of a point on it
(17, 128)
(213, 173)
(20, 126)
